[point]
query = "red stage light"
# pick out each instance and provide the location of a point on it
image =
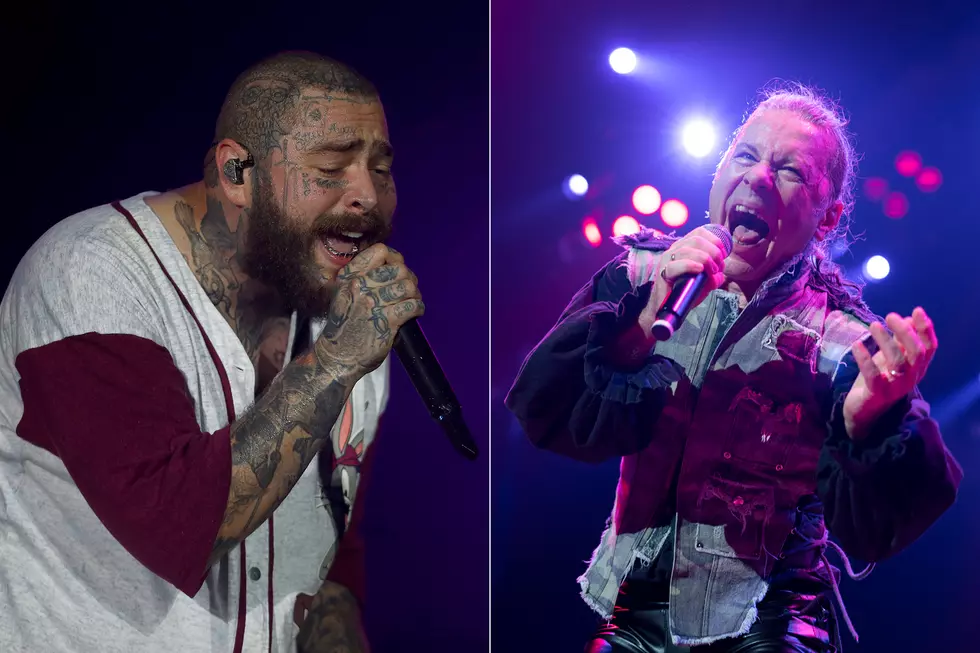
(908, 163)
(929, 180)
(646, 200)
(625, 225)
(896, 205)
(673, 213)
(591, 232)
(875, 189)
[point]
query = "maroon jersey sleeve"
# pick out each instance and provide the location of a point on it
(116, 410)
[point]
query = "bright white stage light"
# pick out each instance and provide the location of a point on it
(876, 268)
(623, 61)
(576, 186)
(698, 138)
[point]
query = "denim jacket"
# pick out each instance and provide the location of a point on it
(732, 441)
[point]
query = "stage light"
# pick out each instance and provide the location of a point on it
(625, 225)
(875, 189)
(622, 61)
(876, 268)
(673, 213)
(591, 232)
(929, 180)
(908, 163)
(896, 205)
(698, 137)
(646, 200)
(575, 186)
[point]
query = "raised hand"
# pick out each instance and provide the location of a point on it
(899, 364)
(698, 251)
(374, 295)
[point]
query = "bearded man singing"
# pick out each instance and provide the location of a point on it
(173, 364)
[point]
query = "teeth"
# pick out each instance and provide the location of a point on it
(744, 209)
(343, 254)
(352, 234)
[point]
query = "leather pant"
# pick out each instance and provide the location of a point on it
(787, 623)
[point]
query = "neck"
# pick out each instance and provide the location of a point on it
(209, 231)
(744, 290)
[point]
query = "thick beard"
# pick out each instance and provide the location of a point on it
(281, 254)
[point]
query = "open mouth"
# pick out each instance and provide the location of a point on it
(746, 226)
(344, 245)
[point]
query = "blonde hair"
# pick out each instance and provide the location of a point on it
(824, 113)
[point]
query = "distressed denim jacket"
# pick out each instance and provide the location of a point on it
(732, 441)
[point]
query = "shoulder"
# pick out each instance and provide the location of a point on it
(642, 254)
(85, 274)
(650, 240)
(91, 240)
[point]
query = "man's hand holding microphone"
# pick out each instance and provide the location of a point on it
(687, 271)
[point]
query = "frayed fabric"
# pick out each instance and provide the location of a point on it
(750, 616)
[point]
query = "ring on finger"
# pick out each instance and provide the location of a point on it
(899, 370)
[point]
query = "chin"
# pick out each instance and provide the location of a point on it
(327, 271)
(736, 268)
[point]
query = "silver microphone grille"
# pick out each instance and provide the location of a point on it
(723, 235)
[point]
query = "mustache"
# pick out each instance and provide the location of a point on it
(372, 224)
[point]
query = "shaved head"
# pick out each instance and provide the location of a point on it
(318, 188)
(262, 106)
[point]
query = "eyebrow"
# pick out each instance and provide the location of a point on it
(796, 159)
(340, 146)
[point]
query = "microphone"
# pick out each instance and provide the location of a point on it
(685, 290)
(430, 382)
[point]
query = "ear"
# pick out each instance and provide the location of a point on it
(232, 158)
(830, 219)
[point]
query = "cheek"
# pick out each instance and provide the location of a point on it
(305, 186)
(799, 222)
(387, 196)
(716, 198)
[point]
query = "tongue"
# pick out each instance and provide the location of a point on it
(746, 235)
(339, 245)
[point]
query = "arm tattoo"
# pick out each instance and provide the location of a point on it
(275, 441)
(333, 624)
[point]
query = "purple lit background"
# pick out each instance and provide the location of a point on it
(907, 76)
(114, 98)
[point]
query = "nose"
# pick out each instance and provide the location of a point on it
(362, 196)
(759, 176)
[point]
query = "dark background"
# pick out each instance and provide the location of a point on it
(907, 73)
(104, 100)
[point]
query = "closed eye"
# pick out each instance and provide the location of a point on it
(796, 172)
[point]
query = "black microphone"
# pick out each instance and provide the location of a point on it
(427, 376)
(685, 290)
